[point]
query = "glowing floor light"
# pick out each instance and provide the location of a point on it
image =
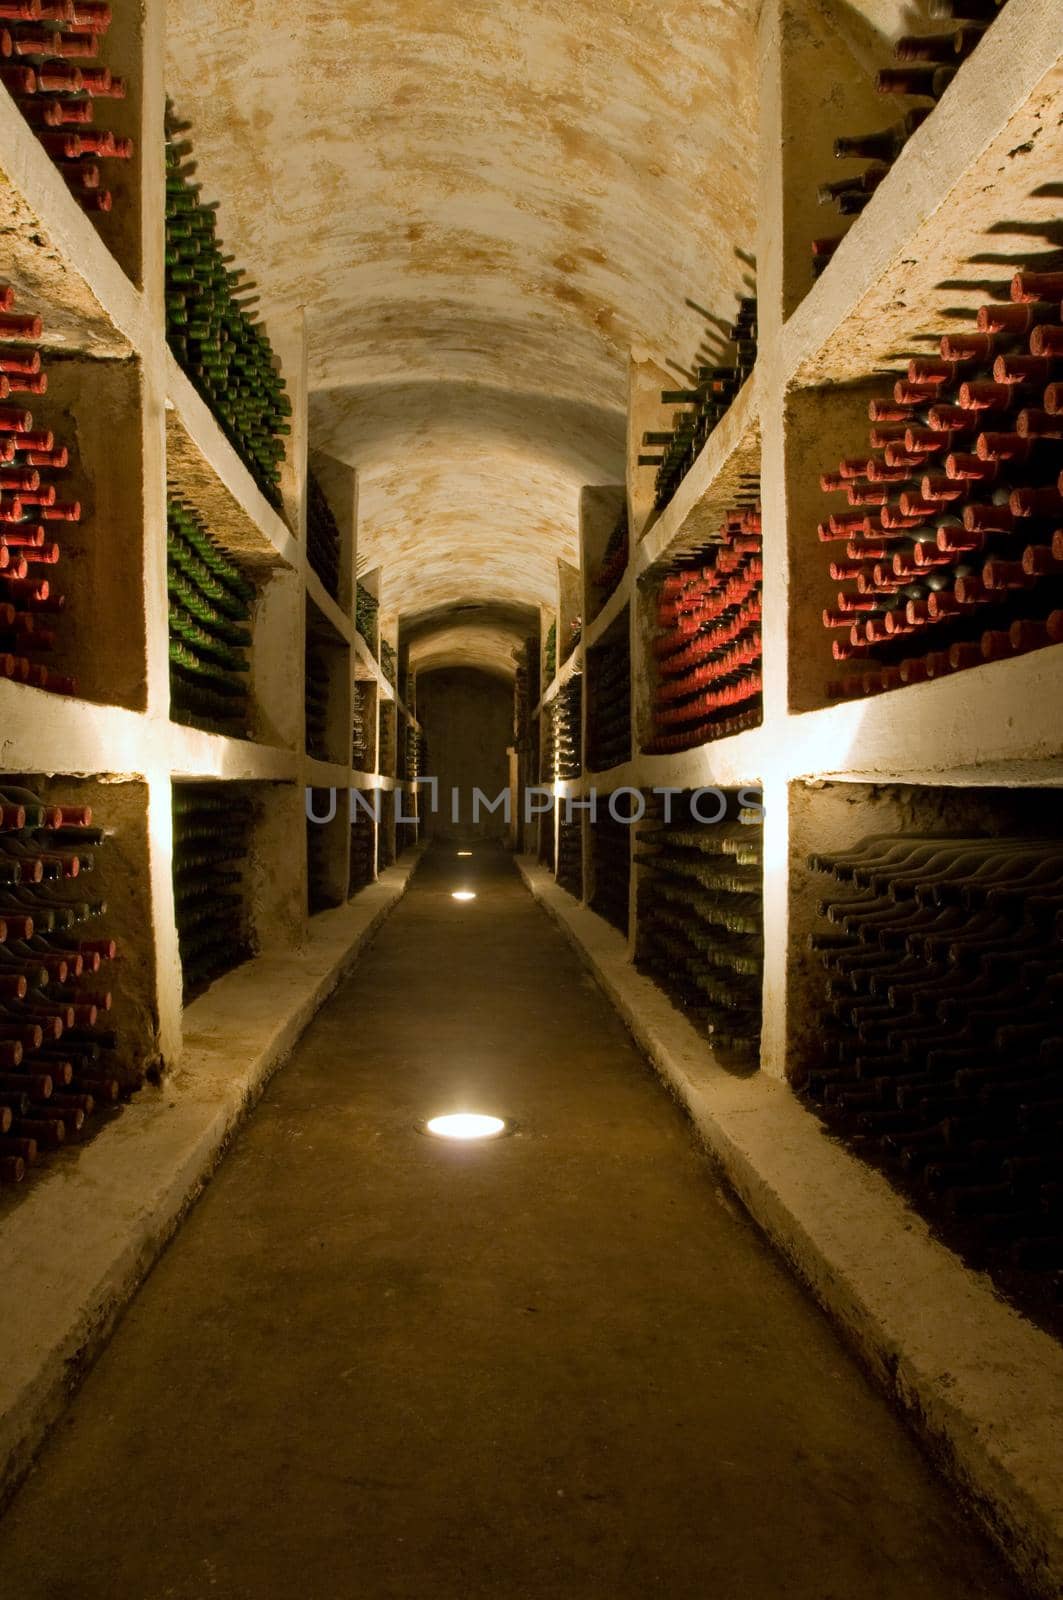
(465, 852)
(466, 1125)
(463, 894)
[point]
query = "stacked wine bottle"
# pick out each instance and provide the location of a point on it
(33, 511)
(609, 699)
(942, 1047)
(611, 869)
(570, 852)
(707, 648)
(566, 709)
(47, 46)
(389, 662)
(954, 529)
(614, 560)
(210, 635)
(384, 852)
(362, 865)
(211, 839)
(545, 851)
(927, 65)
(676, 449)
(366, 611)
(361, 726)
(320, 892)
(701, 919)
(57, 1054)
(550, 653)
(387, 752)
(571, 638)
(322, 537)
(411, 767)
(212, 329)
(317, 701)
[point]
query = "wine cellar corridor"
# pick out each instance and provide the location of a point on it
(531, 858)
(348, 1290)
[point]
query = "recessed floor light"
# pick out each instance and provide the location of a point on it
(463, 894)
(465, 852)
(466, 1125)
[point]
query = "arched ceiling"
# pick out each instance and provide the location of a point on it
(482, 208)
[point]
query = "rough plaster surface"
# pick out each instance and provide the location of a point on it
(482, 210)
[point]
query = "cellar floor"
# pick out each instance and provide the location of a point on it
(558, 1365)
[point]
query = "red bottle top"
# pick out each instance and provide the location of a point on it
(1037, 286)
(1035, 424)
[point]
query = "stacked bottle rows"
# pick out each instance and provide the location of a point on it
(708, 642)
(51, 69)
(700, 921)
(322, 537)
(366, 612)
(210, 636)
(389, 662)
(572, 639)
(609, 699)
(522, 703)
(211, 839)
(611, 850)
(361, 726)
(566, 711)
(676, 449)
(212, 329)
(384, 851)
(363, 846)
(411, 765)
(317, 701)
(546, 839)
(927, 65)
(942, 1041)
(56, 1051)
(33, 510)
(613, 564)
(386, 761)
(569, 852)
(320, 892)
(954, 529)
(550, 654)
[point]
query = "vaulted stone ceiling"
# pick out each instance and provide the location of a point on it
(482, 208)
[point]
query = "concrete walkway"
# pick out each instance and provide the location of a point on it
(375, 1367)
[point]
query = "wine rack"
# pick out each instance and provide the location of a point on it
(323, 539)
(550, 655)
(212, 830)
(613, 564)
(951, 558)
(608, 674)
(212, 328)
(700, 922)
(62, 1063)
(210, 634)
(329, 722)
(363, 719)
(322, 888)
(926, 65)
(708, 403)
(385, 832)
(362, 866)
(367, 616)
(387, 738)
(566, 712)
(63, 74)
(610, 842)
(706, 650)
(941, 1057)
(569, 851)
